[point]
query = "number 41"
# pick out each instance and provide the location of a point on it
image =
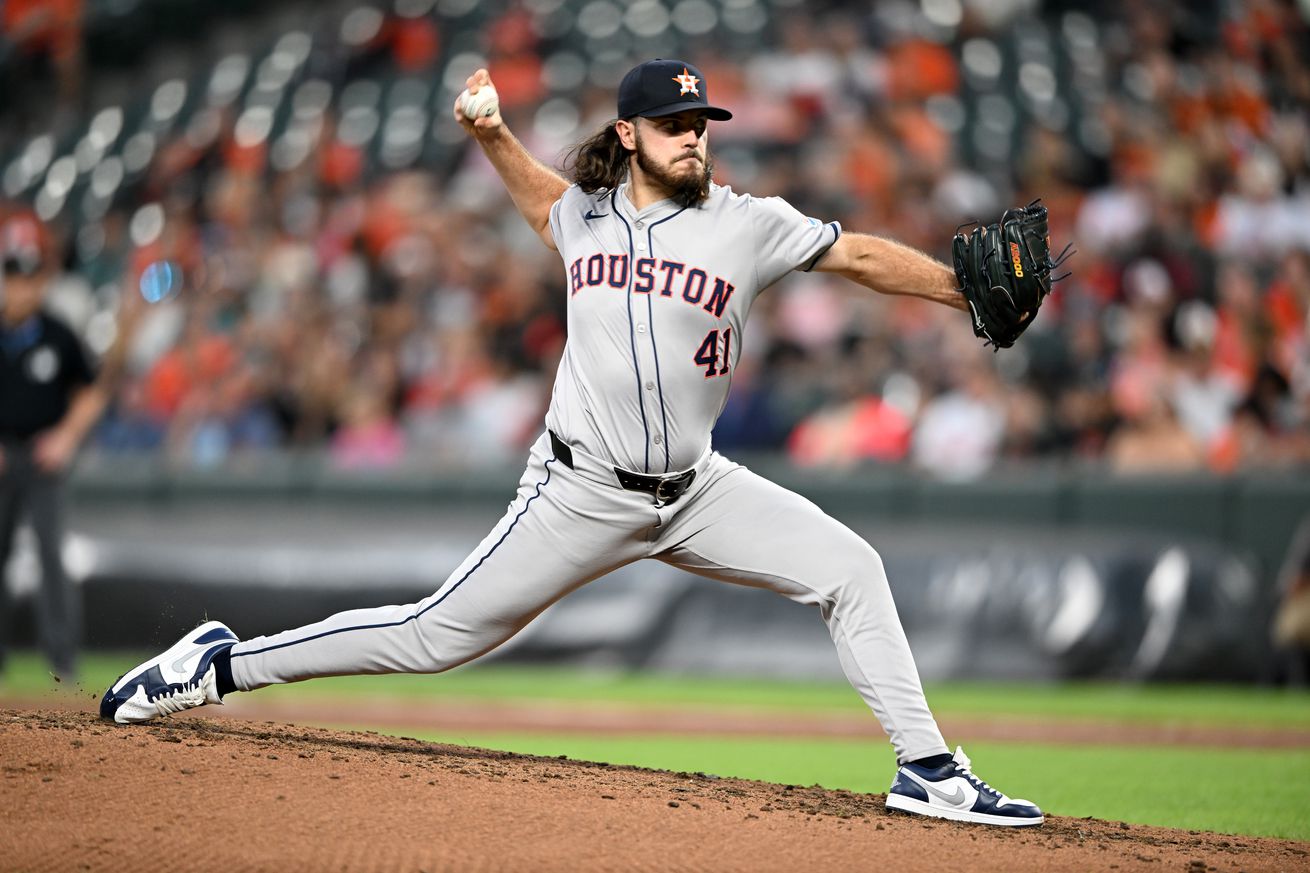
(708, 353)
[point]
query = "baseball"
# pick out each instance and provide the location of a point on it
(483, 104)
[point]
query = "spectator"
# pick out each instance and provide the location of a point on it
(37, 36)
(1151, 440)
(1172, 150)
(368, 438)
(960, 431)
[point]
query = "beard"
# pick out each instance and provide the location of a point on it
(685, 189)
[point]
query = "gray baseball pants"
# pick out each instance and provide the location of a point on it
(567, 527)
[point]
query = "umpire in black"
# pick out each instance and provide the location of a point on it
(49, 400)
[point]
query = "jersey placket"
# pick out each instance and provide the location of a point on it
(643, 352)
(646, 343)
(649, 252)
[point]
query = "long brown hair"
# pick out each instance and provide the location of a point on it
(599, 161)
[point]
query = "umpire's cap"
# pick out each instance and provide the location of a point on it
(663, 87)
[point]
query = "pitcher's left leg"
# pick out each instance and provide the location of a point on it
(741, 528)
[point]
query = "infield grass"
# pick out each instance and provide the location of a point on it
(1211, 705)
(1239, 791)
(1232, 790)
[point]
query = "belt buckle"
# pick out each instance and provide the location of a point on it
(673, 494)
(677, 486)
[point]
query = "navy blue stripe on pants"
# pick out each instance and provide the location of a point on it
(419, 613)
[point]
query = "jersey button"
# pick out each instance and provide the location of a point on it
(641, 328)
(639, 225)
(641, 247)
(658, 439)
(650, 386)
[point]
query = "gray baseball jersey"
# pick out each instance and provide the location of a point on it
(658, 299)
(657, 302)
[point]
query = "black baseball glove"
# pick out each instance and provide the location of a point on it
(1004, 271)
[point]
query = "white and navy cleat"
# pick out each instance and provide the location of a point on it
(180, 678)
(952, 791)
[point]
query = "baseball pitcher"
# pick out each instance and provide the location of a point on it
(662, 268)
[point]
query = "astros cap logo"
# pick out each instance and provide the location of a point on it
(687, 82)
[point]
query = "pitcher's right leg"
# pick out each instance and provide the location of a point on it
(560, 532)
(556, 536)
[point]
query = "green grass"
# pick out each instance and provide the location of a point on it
(1234, 790)
(1214, 705)
(1218, 705)
(1195, 789)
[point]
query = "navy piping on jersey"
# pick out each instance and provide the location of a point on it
(836, 234)
(430, 606)
(664, 415)
(632, 334)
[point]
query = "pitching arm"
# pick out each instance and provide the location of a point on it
(532, 185)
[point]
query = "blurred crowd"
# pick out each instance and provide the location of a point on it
(403, 314)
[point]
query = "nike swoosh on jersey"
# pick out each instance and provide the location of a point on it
(592, 215)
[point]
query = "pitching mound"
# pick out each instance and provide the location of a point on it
(196, 794)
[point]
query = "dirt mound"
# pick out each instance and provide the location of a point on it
(200, 794)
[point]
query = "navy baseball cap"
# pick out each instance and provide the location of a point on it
(663, 87)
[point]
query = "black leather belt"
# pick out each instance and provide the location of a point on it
(561, 449)
(665, 489)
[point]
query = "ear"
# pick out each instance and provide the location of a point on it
(627, 132)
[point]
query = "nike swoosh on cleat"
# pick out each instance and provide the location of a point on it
(592, 215)
(954, 799)
(181, 662)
